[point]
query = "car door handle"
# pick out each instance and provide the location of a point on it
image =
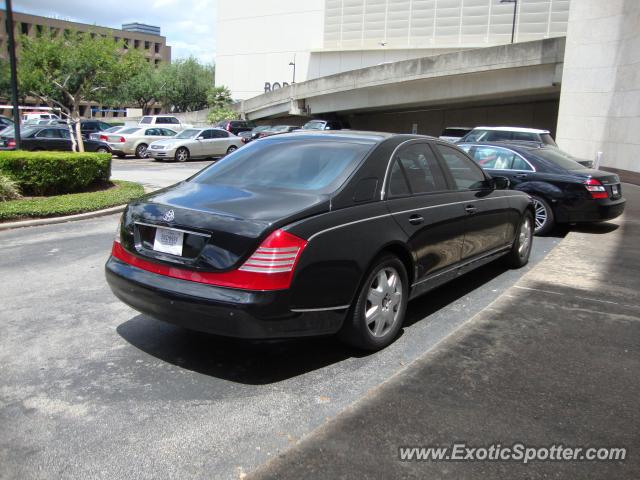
(522, 175)
(416, 219)
(470, 209)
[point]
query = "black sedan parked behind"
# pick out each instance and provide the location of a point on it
(49, 138)
(563, 190)
(315, 233)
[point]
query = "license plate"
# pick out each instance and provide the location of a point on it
(168, 241)
(616, 190)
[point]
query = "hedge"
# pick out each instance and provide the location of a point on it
(57, 205)
(52, 173)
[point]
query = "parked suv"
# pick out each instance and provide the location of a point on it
(236, 126)
(163, 121)
(507, 134)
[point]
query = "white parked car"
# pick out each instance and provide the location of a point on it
(195, 143)
(165, 121)
(135, 140)
(507, 134)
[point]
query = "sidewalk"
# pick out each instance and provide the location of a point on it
(555, 360)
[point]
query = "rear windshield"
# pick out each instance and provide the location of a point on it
(293, 164)
(146, 120)
(129, 130)
(188, 133)
(560, 158)
(546, 138)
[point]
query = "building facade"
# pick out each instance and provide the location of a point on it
(135, 36)
(258, 41)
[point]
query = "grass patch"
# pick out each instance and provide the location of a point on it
(118, 193)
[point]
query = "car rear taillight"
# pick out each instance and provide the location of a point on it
(11, 143)
(596, 189)
(228, 127)
(122, 140)
(104, 138)
(270, 267)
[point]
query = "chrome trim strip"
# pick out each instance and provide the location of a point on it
(464, 264)
(172, 228)
(405, 211)
(325, 309)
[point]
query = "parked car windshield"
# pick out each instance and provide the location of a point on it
(560, 158)
(188, 133)
(314, 125)
(294, 164)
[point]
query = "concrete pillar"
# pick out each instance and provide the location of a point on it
(600, 96)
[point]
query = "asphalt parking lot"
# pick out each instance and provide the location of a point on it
(153, 174)
(90, 388)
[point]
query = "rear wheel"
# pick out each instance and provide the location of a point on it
(544, 218)
(521, 249)
(231, 149)
(102, 150)
(377, 316)
(182, 154)
(141, 151)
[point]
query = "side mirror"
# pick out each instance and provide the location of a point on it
(500, 183)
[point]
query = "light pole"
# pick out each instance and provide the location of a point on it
(515, 10)
(14, 73)
(293, 64)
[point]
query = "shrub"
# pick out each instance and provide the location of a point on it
(8, 189)
(52, 173)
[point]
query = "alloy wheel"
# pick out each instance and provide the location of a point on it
(384, 298)
(524, 240)
(542, 215)
(182, 155)
(141, 151)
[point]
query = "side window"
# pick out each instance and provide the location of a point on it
(173, 121)
(466, 174)
(493, 158)
(497, 136)
(520, 164)
(206, 134)
(168, 133)
(49, 133)
(162, 120)
(146, 120)
(220, 134)
(419, 168)
(398, 185)
(65, 134)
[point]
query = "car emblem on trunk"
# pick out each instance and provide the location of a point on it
(169, 216)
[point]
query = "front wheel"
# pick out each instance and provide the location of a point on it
(377, 316)
(182, 154)
(231, 149)
(521, 250)
(141, 151)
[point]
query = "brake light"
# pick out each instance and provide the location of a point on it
(228, 127)
(122, 140)
(270, 267)
(104, 138)
(596, 189)
(11, 143)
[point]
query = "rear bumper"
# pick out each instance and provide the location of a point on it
(597, 211)
(222, 311)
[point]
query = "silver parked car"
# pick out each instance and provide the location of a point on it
(195, 143)
(136, 140)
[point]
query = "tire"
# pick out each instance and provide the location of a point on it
(141, 151)
(182, 154)
(374, 320)
(544, 217)
(231, 149)
(519, 254)
(102, 150)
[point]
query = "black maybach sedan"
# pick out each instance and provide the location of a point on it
(313, 234)
(563, 190)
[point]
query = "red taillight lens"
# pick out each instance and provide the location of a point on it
(104, 138)
(270, 267)
(596, 189)
(11, 143)
(122, 140)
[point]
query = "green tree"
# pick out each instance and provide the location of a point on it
(221, 113)
(185, 85)
(67, 70)
(5, 80)
(142, 89)
(219, 97)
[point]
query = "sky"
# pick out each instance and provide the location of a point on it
(188, 24)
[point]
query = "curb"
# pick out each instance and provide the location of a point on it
(54, 220)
